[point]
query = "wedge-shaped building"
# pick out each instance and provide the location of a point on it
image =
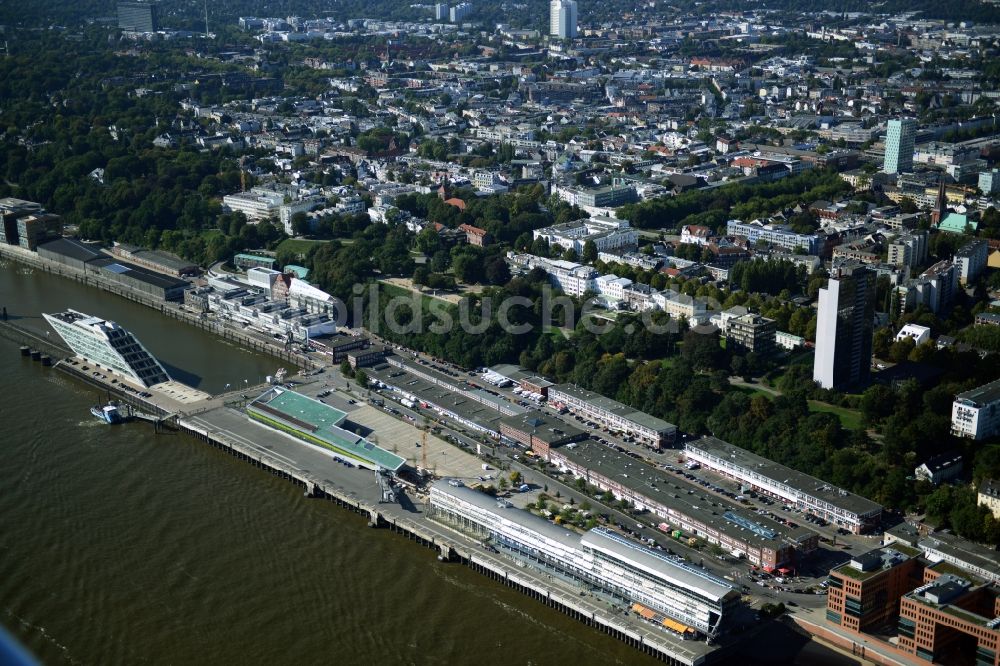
(107, 345)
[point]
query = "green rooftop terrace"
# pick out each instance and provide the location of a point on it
(317, 423)
(303, 408)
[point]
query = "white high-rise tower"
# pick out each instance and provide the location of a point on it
(562, 19)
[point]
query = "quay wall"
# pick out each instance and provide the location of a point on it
(233, 334)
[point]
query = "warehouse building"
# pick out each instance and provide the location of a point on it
(141, 280)
(850, 511)
(538, 431)
(70, 252)
(646, 429)
(686, 507)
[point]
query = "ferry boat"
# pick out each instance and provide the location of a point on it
(108, 413)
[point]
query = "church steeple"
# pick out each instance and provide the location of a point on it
(940, 206)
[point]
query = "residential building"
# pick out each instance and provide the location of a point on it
(256, 206)
(572, 278)
(989, 181)
(646, 429)
(441, 11)
(919, 334)
(788, 341)
(751, 333)
(989, 496)
(805, 492)
(106, 345)
(475, 235)
(138, 16)
(844, 328)
(563, 19)
(940, 468)
(908, 249)
(900, 136)
(863, 594)
(600, 558)
(607, 233)
(934, 289)
(976, 414)
(774, 234)
(676, 304)
(696, 235)
(970, 260)
(459, 12)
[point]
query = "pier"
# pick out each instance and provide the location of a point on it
(355, 489)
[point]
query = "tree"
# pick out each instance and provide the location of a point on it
(589, 251)
(361, 377)
(346, 369)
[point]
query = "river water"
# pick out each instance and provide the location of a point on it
(118, 546)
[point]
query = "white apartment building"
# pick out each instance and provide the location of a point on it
(574, 279)
(562, 19)
(607, 233)
(256, 207)
(976, 414)
(970, 261)
(678, 305)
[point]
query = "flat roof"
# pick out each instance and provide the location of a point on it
(323, 422)
(982, 395)
(546, 428)
(138, 273)
(607, 404)
(686, 498)
(681, 575)
(965, 551)
(521, 517)
(810, 485)
(73, 248)
(467, 408)
(457, 382)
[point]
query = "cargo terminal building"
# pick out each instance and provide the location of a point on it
(838, 506)
(686, 507)
(317, 425)
(620, 568)
(646, 429)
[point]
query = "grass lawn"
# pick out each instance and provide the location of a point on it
(849, 418)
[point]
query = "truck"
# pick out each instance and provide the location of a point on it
(677, 534)
(486, 467)
(406, 402)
